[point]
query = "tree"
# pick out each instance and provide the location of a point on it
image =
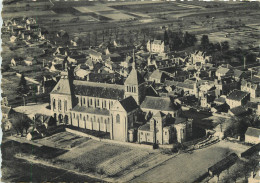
(22, 88)
(166, 37)
(20, 122)
(225, 46)
(204, 41)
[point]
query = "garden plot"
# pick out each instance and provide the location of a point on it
(122, 162)
(63, 140)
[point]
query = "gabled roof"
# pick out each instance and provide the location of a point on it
(63, 86)
(100, 90)
(223, 70)
(253, 132)
(237, 95)
(91, 110)
(129, 104)
(159, 103)
(134, 78)
(239, 110)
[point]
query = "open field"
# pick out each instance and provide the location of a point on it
(187, 167)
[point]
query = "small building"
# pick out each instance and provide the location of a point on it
(252, 135)
(237, 98)
(224, 72)
(158, 76)
(251, 87)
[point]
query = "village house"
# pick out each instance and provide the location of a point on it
(201, 57)
(158, 76)
(251, 87)
(157, 46)
(252, 135)
(237, 98)
(224, 72)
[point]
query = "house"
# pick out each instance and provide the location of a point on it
(224, 72)
(225, 85)
(201, 57)
(41, 119)
(251, 87)
(158, 76)
(239, 75)
(157, 46)
(237, 98)
(252, 135)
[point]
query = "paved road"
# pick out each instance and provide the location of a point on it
(186, 167)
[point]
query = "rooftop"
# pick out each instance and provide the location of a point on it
(159, 103)
(91, 110)
(254, 132)
(237, 95)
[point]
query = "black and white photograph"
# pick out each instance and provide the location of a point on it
(153, 91)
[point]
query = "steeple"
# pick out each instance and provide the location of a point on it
(133, 64)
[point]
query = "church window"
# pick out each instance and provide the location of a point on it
(73, 115)
(65, 105)
(105, 104)
(118, 118)
(141, 133)
(84, 118)
(59, 104)
(54, 104)
(165, 133)
(94, 118)
(80, 116)
(134, 90)
(87, 117)
(105, 121)
(97, 102)
(90, 100)
(84, 101)
(98, 120)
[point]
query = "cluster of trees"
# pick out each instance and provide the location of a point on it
(209, 47)
(179, 40)
(22, 88)
(238, 125)
(20, 123)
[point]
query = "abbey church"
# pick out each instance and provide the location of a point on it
(112, 108)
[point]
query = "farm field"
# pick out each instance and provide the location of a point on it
(103, 158)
